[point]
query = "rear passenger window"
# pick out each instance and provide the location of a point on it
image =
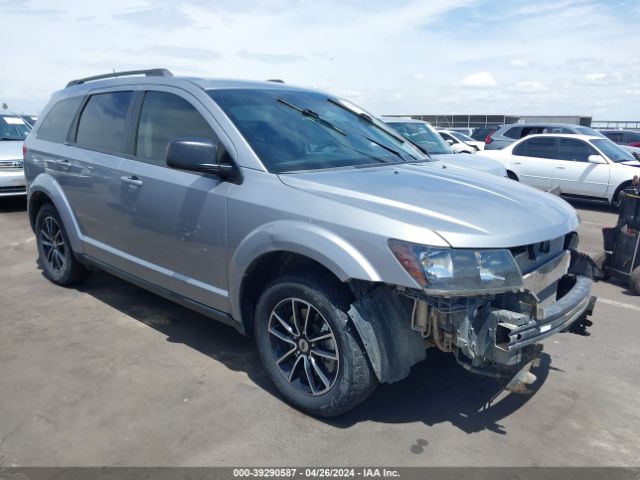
(540, 147)
(55, 125)
(164, 117)
(103, 121)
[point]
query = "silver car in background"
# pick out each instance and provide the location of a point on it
(507, 134)
(13, 131)
(428, 138)
(300, 219)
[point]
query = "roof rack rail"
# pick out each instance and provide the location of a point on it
(152, 72)
(275, 80)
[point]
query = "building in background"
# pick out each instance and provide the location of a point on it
(471, 121)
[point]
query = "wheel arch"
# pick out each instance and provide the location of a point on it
(618, 190)
(285, 246)
(44, 189)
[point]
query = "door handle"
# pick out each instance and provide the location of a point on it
(517, 163)
(561, 168)
(132, 180)
(64, 163)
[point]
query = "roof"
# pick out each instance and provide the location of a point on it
(161, 76)
(565, 135)
(402, 120)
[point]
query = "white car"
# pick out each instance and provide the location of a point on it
(578, 166)
(461, 143)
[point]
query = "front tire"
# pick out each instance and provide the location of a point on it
(55, 256)
(634, 281)
(309, 348)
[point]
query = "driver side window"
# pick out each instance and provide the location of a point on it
(573, 150)
(165, 117)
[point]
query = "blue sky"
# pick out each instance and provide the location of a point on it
(456, 56)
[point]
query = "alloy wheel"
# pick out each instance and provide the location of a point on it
(304, 346)
(53, 245)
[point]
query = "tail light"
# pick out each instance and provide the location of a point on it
(24, 151)
(488, 139)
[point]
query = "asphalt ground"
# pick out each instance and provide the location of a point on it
(109, 374)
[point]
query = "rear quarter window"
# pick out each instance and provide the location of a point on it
(55, 125)
(513, 132)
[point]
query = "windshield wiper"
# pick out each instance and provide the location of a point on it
(314, 115)
(388, 149)
(368, 119)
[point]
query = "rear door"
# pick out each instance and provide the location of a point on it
(173, 223)
(573, 173)
(88, 169)
(532, 161)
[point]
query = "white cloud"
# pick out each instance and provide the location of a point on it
(601, 78)
(529, 86)
(480, 80)
(518, 63)
(596, 76)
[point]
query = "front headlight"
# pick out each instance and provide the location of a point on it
(450, 271)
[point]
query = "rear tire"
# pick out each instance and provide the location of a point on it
(308, 346)
(634, 281)
(55, 255)
(602, 261)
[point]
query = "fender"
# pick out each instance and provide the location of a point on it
(308, 239)
(46, 184)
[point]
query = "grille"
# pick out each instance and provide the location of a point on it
(547, 274)
(13, 189)
(11, 166)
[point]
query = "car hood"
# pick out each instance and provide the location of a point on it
(476, 161)
(10, 150)
(630, 163)
(468, 209)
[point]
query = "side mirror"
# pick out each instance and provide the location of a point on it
(450, 142)
(596, 159)
(196, 155)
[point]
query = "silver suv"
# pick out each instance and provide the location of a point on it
(300, 219)
(505, 135)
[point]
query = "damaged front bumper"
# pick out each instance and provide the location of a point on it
(515, 331)
(496, 335)
(498, 341)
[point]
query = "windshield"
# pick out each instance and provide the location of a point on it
(424, 135)
(298, 130)
(13, 128)
(589, 131)
(613, 151)
(461, 136)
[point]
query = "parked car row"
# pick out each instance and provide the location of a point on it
(341, 245)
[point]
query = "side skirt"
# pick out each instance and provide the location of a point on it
(168, 294)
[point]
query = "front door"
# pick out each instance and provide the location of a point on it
(174, 222)
(574, 174)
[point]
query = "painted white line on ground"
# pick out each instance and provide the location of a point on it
(593, 223)
(613, 303)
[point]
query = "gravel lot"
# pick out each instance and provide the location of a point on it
(108, 374)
